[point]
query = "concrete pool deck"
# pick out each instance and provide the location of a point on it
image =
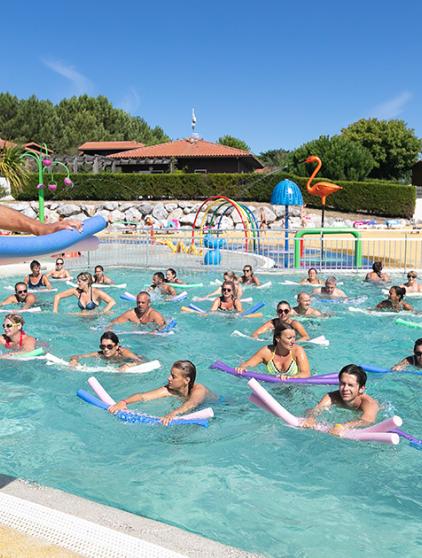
(37, 521)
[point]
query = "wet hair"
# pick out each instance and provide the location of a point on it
(331, 279)
(231, 275)
(417, 343)
(20, 283)
(144, 293)
(188, 369)
(86, 275)
(299, 295)
(377, 268)
(313, 269)
(111, 336)
(278, 330)
(160, 275)
(34, 263)
(229, 284)
(15, 318)
(100, 267)
(284, 302)
(354, 370)
(400, 291)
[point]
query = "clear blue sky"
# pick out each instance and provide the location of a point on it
(273, 73)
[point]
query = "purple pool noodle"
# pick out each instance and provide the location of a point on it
(313, 380)
(412, 439)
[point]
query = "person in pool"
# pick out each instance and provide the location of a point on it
(100, 278)
(283, 358)
(14, 338)
(248, 277)
(312, 278)
(412, 360)
(171, 277)
(227, 302)
(89, 298)
(111, 350)
(180, 383)
(228, 276)
(36, 280)
(350, 395)
(412, 286)
(329, 290)
(304, 307)
(284, 312)
(143, 313)
(377, 274)
(59, 272)
(395, 300)
(159, 285)
(21, 296)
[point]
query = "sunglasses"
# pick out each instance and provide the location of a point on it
(8, 326)
(22, 292)
(418, 353)
(246, 270)
(226, 290)
(411, 276)
(59, 263)
(283, 311)
(109, 347)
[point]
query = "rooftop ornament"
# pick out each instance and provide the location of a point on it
(286, 193)
(45, 165)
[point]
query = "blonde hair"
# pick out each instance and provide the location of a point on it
(15, 318)
(86, 275)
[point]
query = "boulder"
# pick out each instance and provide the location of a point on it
(183, 204)
(225, 223)
(18, 206)
(145, 208)
(170, 206)
(29, 212)
(133, 215)
(159, 212)
(110, 206)
(175, 214)
(269, 214)
(69, 209)
(117, 215)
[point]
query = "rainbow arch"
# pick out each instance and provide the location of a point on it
(215, 203)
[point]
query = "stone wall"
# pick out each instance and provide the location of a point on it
(162, 213)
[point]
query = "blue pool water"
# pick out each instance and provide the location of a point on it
(247, 480)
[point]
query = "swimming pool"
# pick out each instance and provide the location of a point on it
(247, 480)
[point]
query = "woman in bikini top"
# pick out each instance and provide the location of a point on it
(227, 302)
(88, 297)
(14, 338)
(284, 311)
(283, 358)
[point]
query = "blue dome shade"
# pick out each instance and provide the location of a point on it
(286, 192)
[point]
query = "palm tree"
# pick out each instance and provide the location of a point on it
(12, 168)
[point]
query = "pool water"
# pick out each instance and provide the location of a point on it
(247, 480)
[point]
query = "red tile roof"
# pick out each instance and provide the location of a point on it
(123, 145)
(184, 148)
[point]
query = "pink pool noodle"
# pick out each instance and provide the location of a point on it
(382, 437)
(257, 401)
(273, 405)
(384, 426)
(100, 391)
(202, 414)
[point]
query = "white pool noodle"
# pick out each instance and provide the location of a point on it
(385, 425)
(383, 437)
(272, 404)
(100, 391)
(202, 414)
(257, 401)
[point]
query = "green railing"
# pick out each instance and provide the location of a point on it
(328, 231)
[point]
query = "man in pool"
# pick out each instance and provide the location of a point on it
(350, 395)
(159, 285)
(414, 360)
(142, 314)
(304, 307)
(21, 297)
(330, 290)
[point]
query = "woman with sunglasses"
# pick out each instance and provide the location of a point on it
(21, 297)
(395, 301)
(14, 338)
(111, 350)
(248, 277)
(181, 384)
(412, 286)
(284, 311)
(414, 360)
(377, 274)
(312, 278)
(228, 276)
(228, 301)
(283, 358)
(59, 272)
(88, 297)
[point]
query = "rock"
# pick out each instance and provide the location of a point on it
(69, 209)
(145, 208)
(238, 227)
(126, 205)
(53, 216)
(117, 215)
(269, 214)
(18, 206)
(159, 212)
(53, 205)
(225, 223)
(103, 213)
(183, 204)
(34, 205)
(132, 215)
(175, 214)
(29, 212)
(279, 210)
(111, 206)
(170, 207)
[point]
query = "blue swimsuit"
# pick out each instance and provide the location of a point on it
(91, 304)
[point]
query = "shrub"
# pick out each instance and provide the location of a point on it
(372, 196)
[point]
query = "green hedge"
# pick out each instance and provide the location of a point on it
(373, 197)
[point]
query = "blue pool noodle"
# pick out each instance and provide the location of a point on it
(133, 417)
(378, 370)
(254, 309)
(15, 246)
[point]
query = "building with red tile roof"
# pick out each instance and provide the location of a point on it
(192, 155)
(107, 147)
